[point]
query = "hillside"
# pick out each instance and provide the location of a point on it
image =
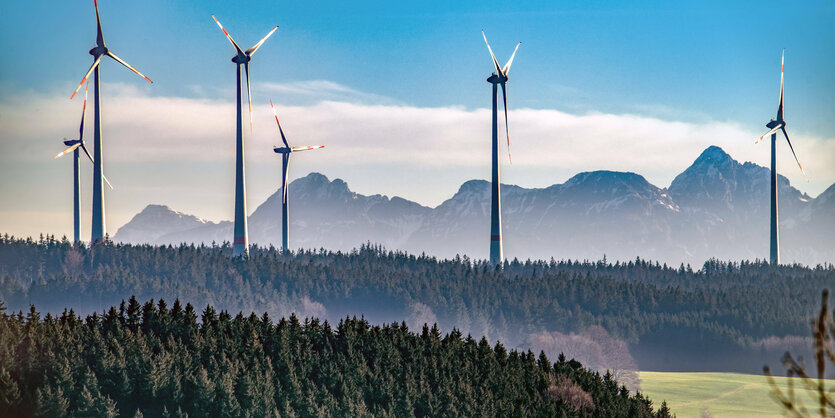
(727, 395)
(717, 207)
(722, 317)
(149, 359)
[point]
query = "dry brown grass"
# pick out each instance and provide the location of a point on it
(823, 332)
(562, 388)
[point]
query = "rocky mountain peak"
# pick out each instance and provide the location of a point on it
(713, 155)
(609, 181)
(717, 207)
(155, 221)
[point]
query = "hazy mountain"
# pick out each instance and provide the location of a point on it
(327, 214)
(156, 221)
(592, 214)
(717, 207)
(726, 210)
(323, 214)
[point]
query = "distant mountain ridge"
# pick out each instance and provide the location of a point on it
(717, 207)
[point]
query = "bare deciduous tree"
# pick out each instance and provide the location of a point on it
(562, 388)
(595, 349)
(823, 332)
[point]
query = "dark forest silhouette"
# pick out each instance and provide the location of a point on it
(721, 317)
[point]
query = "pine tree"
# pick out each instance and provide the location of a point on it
(10, 397)
(133, 314)
(664, 411)
(51, 402)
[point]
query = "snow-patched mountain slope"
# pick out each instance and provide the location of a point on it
(324, 213)
(715, 182)
(590, 213)
(155, 221)
(717, 207)
(727, 209)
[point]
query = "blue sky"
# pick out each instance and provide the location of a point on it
(668, 65)
(695, 59)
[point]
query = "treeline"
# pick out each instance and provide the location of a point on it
(717, 308)
(154, 360)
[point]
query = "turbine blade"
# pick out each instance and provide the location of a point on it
(83, 112)
(506, 126)
(84, 148)
(112, 55)
(107, 181)
(248, 96)
(495, 63)
(506, 68)
(793, 153)
(68, 150)
(780, 106)
(92, 67)
(255, 47)
(283, 139)
(769, 133)
(99, 37)
(286, 168)
(228, 36)
(306, 148)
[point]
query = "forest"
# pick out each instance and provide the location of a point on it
(722, 316)
(151, 359)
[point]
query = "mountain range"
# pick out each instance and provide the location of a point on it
(717, 208)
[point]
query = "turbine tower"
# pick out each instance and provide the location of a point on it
(285, 163)
(99, 51)
(74, 145)
(496, 79)
(775, 125)
(240, 246)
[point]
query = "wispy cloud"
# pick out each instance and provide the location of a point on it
(322, 90)
(180, 151)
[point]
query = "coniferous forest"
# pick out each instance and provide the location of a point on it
(154, 360)
(721, 316)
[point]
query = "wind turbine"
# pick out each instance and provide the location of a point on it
(240, 245)
(99, 51)
(775, 125)
(285, 163)
(74, 145)
(496, 79)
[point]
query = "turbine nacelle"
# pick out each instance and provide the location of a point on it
(71, 142)
(241, 59)
(99, 50)
(497, 79)
(282, 150)
(775, 123)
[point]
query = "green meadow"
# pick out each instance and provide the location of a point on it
(723, 394)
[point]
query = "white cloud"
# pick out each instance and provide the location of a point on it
(180, 151)
(321, 90)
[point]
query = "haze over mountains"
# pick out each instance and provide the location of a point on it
(717, 207)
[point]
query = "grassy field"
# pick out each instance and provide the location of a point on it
(721, 394)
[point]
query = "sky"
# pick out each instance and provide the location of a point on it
(396, 92)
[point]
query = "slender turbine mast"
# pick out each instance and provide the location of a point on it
(74, 145)
(775, 125)
(240, 246)
(496, 79)
(285, 163)
(99, 51)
